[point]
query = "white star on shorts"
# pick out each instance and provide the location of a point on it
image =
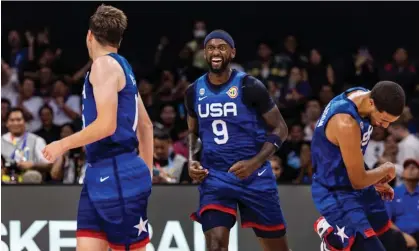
(141, 226)
(341, 234)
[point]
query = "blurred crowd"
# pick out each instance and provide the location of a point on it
(41, 103)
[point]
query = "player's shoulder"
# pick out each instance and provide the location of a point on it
(344, 122)
(250, 82)
(106, 64)
(190, 90)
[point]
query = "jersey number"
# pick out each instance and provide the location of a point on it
(219, 128)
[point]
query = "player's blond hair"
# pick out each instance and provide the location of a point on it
(108, 25)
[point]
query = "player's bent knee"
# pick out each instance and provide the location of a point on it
(91, 244)
(213, 219)
(217, 239)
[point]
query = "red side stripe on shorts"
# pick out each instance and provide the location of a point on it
(91, 234)
(384, 229)
(139, 244)
(219, 208)
(263, 227)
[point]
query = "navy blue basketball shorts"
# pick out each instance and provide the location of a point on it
(113, 202)
(347, 214)
(256, 197)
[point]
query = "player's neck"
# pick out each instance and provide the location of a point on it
(220, 78)
(361, 101)
(102, 51)
(410, 185)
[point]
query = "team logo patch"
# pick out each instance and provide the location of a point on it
(233, 92)
(201, 91)
(361, 125)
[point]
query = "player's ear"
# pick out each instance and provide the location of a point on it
(233, 53)
(372, 104)
(89, 36)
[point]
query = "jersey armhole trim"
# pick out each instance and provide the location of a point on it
(327, 122)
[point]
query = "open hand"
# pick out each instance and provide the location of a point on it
(244, 168)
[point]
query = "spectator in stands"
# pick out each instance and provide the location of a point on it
(184, 68)
(64, 168)
(9, 83)
(145, 89)
(402, 72)
(18, 54)
(46, 78)
(296, 91)
(265, 68)
(375, 147)
(290, 152)
(20, 148)
(326, 94)
(274, 90)
(167, 120)
(197, 45)
(408, 143)
(318, 72)
(389, 154)
(276, 164)
(305, 171)
(163, 58)
(5, 107)
(290, 56)
(181, 145)
(365, 72)
(168, 165)
(404, 209)
(48, 131)
(310, 116)
(166, 85)
(30, 104)
(66, 107)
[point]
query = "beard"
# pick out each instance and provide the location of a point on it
(218, 69)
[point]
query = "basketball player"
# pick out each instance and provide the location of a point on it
(240, 127)
(112, 208)
(352, 209)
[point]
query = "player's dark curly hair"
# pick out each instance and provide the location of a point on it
(108, 25)
(389, 97)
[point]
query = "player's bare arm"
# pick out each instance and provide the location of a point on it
(259, 97)
(196, 172)
(343, 131)
(145, 135)
(105, 77)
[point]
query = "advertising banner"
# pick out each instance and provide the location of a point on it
(42, 218)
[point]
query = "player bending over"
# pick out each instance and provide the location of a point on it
(354, 214)
(113, 203)
(240, 128)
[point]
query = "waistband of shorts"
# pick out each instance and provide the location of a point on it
(111, 157)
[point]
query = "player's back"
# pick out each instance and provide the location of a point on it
(330, 171)
(124, 140)
(229, 129)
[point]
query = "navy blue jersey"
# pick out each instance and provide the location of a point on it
(124, 139)
(326, 156)
(229, 116)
